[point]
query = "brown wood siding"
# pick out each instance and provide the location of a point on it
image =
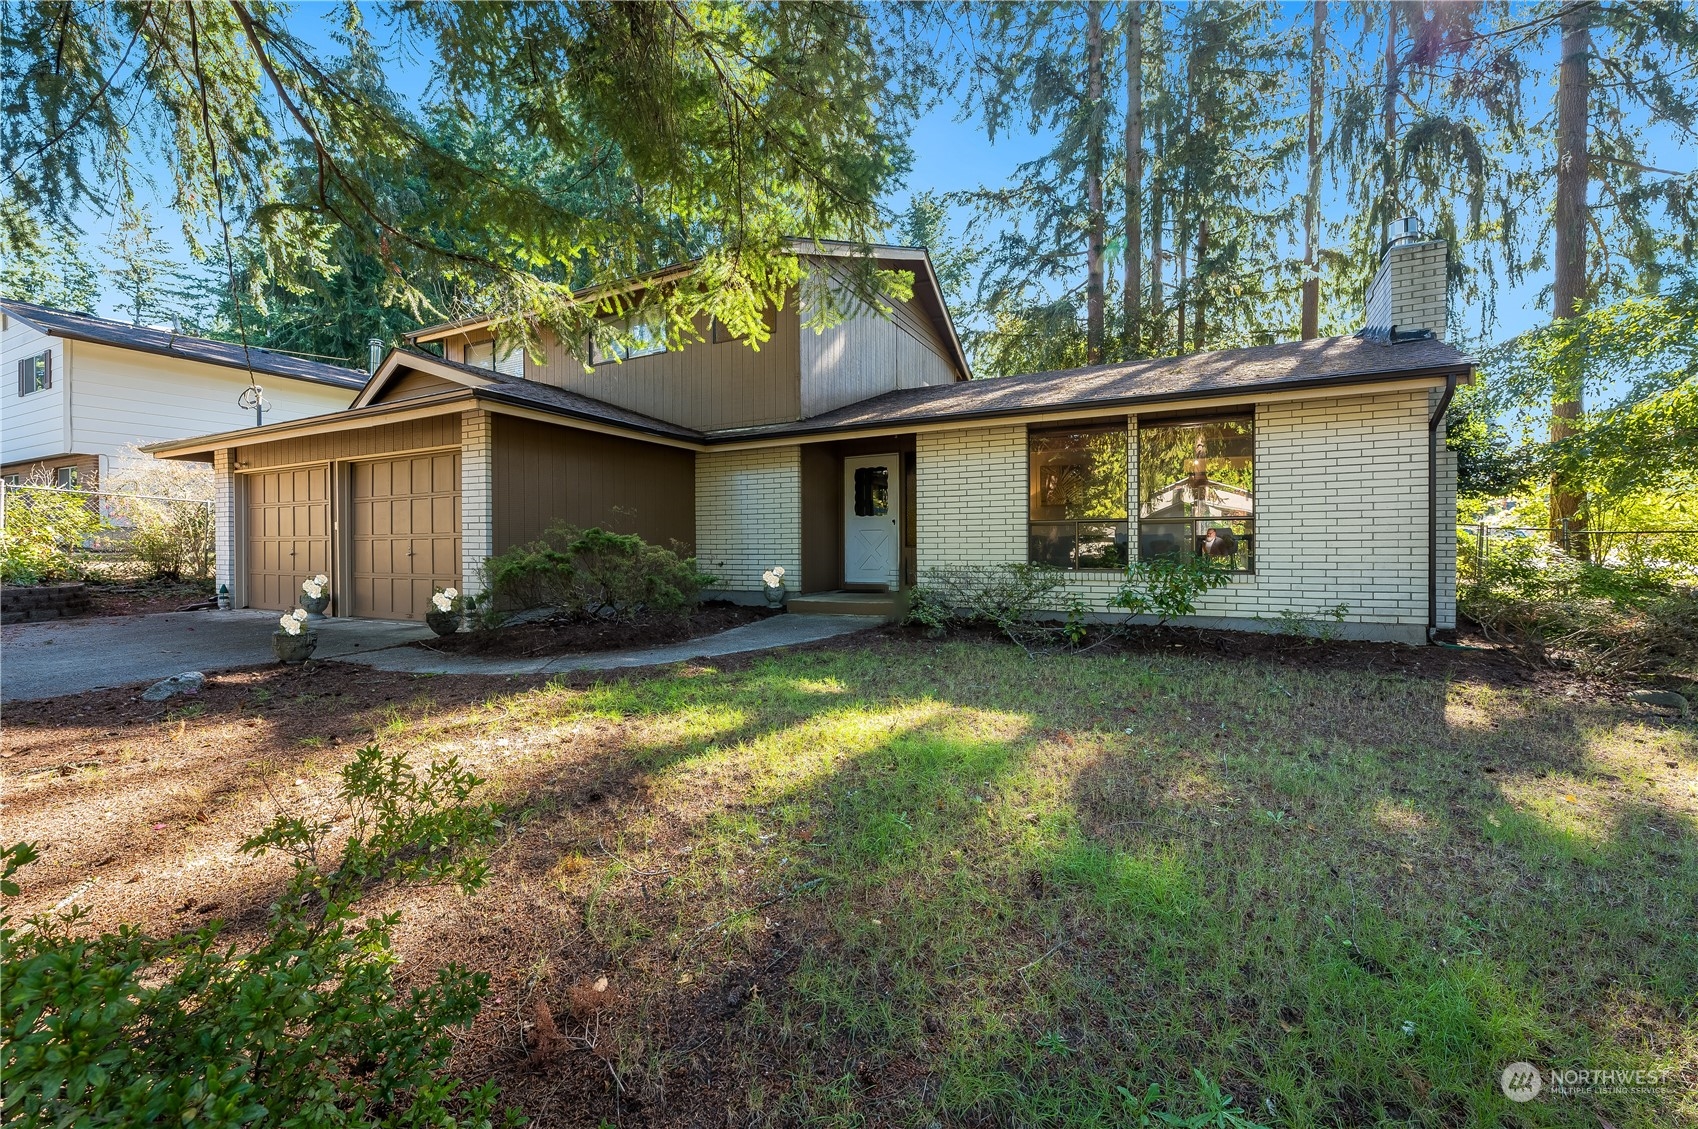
(706, 385)
(416, 384)
(287, 534)
(432, 431)
(822, 518)
(547, 475)
(406, 533)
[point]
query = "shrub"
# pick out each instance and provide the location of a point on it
(164, 512)
(45, 533)
(1020, 600)
(1168, 587)
(306, 1028)
(1550, 607)
(591, 572)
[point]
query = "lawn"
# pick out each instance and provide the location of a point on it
(936, 884)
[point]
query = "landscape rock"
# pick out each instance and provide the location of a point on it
(189, 682)
(1667, 699)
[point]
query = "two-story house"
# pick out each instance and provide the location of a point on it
(863, 456)
(89, 390)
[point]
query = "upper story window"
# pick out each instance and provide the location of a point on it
(35, 373)
(646, 338)
(482, 354)
(1197, 490)
(67, 477)
(1077, 497)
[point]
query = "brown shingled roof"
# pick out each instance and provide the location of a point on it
(1228, 373)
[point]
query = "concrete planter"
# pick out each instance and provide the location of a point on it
(315, 608)
(443, 623)
(775, 594)
(293, 648)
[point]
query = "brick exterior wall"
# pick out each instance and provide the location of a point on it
(1341, 507)
(1444, 527)
(749, 516)
(1408, 291)
(477, 498)
(224, 500)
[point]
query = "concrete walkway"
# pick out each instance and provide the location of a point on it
(46, 660)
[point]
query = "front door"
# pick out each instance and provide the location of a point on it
(872, 521)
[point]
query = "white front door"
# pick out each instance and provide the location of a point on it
(872, 520)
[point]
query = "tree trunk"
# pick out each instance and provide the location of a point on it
(1131, 297)
(1388, 125)
(1158, 203)
(1094, 182)
(1197, 300)
(1573, 176)
(1312, 203)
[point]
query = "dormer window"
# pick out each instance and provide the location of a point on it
(647, 339)
(483, 355)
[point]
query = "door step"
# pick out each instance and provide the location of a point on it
(890, 605)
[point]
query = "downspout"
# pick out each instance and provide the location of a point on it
(1433, 506)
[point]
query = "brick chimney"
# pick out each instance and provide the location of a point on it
(1407, 295)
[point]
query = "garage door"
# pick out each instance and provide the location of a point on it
(406, 533)
(288, 534)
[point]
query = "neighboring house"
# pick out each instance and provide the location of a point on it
(88, 391)
(863, 457)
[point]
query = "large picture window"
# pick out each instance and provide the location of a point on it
(1197, 490)
(1077, 506)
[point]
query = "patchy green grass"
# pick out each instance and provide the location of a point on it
(1065, 892)
(916, 884)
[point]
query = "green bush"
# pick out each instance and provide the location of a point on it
(1553, 608)
(306, 1028)
(46, 531)
(1168, 587)
(170, 539)
(591, 572)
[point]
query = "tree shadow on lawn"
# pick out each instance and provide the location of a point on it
(955, 886)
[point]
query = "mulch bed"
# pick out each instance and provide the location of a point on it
(565, 636)
(149, 598)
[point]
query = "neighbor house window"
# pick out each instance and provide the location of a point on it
(1197, 490)
(35, 373)
(1077, 497)
(646, 338)
(483, 354)
(66, 477)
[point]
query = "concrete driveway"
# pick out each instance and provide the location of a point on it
(45, 660)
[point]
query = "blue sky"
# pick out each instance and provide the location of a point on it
(949, 155)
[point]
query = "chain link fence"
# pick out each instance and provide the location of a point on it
(55, 531)
(1671, 550)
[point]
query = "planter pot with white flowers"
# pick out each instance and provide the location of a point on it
(315, 595)
(772, 583)
(443, 615)
(292, 642)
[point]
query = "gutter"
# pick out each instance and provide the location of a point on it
(1433, 506)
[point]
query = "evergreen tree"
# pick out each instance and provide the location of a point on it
(45, 265)
(148, 282)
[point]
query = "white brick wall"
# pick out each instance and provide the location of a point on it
(1444, 527)
(1341, 504)
(224, 519)
(749, 516)
(477, 498)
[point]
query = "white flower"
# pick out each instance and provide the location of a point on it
(770, 579)
(779, 572)
(313, 589)
(451, 593)
(443, 602)
(321, 579)
(293, 622)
